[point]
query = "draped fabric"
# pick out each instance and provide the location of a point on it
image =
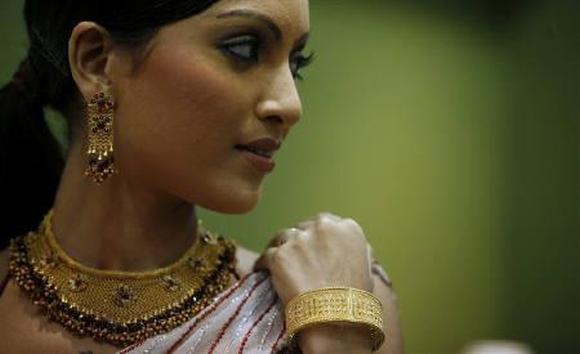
(246, 318)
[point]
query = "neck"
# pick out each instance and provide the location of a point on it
(121, 224)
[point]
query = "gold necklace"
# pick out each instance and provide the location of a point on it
(117, 307)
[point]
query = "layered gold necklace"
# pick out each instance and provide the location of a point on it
(117, 307)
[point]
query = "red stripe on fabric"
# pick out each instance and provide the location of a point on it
(269, 329)
(249, 333)
(279, 337)
(232, 317)
(209, 310)
(201, 317)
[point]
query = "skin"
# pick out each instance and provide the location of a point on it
(180, 110)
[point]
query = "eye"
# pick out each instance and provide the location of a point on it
(298, 62)
(246, 47)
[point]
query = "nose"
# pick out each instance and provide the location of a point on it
(280, 103)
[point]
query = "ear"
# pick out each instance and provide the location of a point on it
(90, 50)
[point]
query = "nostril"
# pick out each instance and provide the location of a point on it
(275, 119)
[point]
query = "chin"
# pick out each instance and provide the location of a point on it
(233, 203)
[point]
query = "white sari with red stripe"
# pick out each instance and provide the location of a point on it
(246, 318)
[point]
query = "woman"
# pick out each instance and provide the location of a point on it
(170, 105)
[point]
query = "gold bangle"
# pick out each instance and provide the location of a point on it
(336, 304)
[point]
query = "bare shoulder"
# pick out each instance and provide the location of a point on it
(246, 259)
(383, 289)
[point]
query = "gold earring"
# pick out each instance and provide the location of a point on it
(101, 162)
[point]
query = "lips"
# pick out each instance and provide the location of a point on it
(260, 153)
(264, 146)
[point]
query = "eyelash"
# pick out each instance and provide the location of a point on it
(297, 62)
(302, 62)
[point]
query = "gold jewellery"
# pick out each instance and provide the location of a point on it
(101, 161)
(120, 308)
(336, 304)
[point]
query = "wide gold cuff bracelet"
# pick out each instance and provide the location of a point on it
(336, 304)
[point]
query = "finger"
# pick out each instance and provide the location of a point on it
(310, 222)
(372, 261)
(306, 224)
(283, 236)
(327, 214)
(370, 252)
(263, 262)
(354, 224)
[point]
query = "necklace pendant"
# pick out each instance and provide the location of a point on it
(49, 260)
(171, 283)
(78, 283)
(198, 265)
(124, 296)
(209, 238)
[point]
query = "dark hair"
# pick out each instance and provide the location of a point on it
(30, 159)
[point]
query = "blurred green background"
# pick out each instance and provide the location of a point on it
(449, 130)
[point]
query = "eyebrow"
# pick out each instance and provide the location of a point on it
(272, 26)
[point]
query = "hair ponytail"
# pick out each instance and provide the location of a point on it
(30, 159)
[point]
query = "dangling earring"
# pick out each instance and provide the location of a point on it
(100, 138)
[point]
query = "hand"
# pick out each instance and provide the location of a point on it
(324, 251)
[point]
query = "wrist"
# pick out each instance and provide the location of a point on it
(336, 338)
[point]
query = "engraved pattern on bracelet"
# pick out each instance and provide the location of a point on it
(336, 304)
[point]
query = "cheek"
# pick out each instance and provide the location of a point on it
(183, 103)
(180, 119)
(190, 93)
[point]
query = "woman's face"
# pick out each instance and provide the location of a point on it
(208, 83)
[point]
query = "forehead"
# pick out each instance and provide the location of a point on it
(289, 15)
